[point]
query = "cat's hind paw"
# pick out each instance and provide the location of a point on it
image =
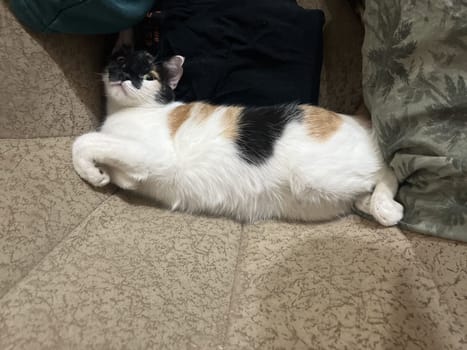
(386, 211)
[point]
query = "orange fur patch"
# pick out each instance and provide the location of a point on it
(154, 74)
(178, 116)
(200, 112)
(203, 111)
(230, 117)
(320, 123)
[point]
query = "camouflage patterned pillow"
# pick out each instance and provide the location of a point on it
(414, 79)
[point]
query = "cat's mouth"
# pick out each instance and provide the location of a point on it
(118, 85)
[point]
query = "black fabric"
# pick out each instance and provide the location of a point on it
(254, 53)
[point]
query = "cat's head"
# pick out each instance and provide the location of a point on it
(134, 78)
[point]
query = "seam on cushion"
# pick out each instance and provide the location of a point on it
(233, 291)
(28, 6)
(63, 10)
(77, 226)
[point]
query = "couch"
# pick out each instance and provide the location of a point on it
(82, 268)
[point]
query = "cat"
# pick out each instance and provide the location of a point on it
(293, 162)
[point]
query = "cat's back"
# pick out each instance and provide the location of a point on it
(254, 131)
(269, 142)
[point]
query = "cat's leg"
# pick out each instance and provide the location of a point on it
(85, 164)
(381, 205)
(321, 203)
(363, 203)
(97, 157)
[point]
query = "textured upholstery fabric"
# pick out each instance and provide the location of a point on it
(42, 201)
(345, 285)
(130, 276)
(88, 269)
(133, 276)
(415, 80)
(49, 83)
(341, 75)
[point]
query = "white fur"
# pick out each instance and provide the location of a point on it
(200, 171)
(124, 94)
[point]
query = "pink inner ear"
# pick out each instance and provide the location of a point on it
(173, 82)
(175, 70)
(181, 60)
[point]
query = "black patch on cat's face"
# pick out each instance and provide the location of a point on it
(137, 66)
(260, 127)
(128, 65)
(165, 94)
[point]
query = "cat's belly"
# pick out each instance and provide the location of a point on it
(249, 207)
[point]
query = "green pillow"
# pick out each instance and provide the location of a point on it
(80, 16)
(415, 86)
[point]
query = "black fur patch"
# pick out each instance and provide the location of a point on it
(166, 94)
(260, 127)
(126, 64)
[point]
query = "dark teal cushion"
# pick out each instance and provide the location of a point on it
(80, 16)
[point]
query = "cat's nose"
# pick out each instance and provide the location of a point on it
(115, 75)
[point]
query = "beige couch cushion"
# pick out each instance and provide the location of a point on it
(341, 76)
(346, 284)
(42, 201)
(49, 83)
(131, 276)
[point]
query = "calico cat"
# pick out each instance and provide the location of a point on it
(296, 162)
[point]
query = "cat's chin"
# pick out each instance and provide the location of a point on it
(120, 89)
(118, 94)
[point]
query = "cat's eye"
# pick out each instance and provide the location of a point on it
(121, 59)
(148, 77)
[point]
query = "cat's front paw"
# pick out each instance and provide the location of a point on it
(98, 177)
(89, 172)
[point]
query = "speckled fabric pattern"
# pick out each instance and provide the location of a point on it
(134, 276)
(341, 76)
(346, 284)
(88, 269)
(47, 90)
(446, 261)
(42, 201)
(130, 277)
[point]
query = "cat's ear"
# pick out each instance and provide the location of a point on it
(174, 69)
